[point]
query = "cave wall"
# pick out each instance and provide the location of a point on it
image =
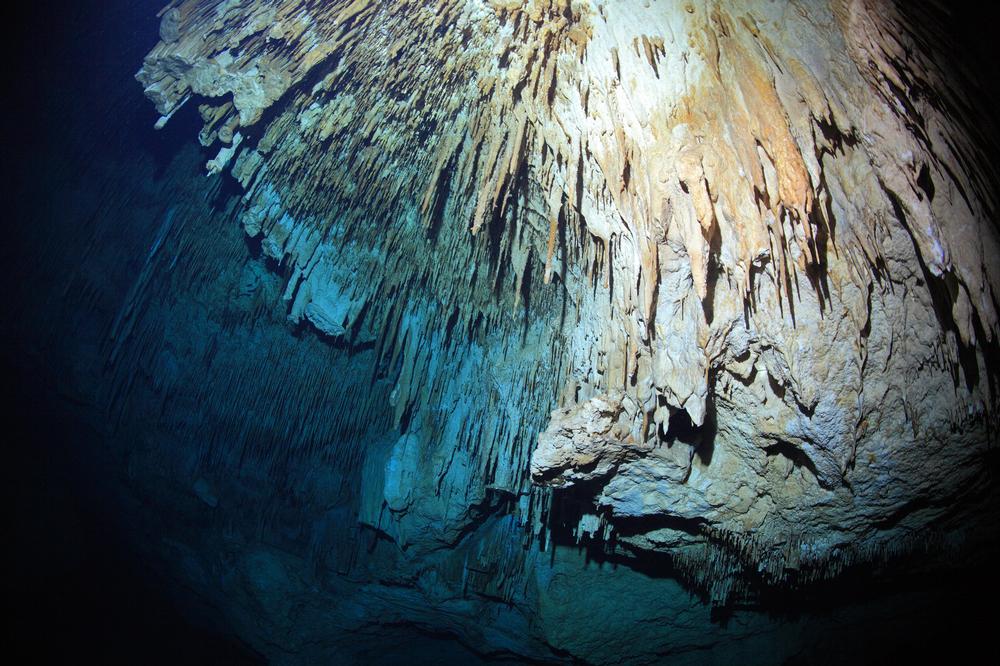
(746, 251)
(489, 314)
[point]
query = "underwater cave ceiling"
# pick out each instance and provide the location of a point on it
(715, 281)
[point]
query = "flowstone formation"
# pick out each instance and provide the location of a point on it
(710, 281)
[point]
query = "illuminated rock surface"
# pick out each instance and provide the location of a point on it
(556, 327)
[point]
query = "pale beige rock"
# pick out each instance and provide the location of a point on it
(584, 443)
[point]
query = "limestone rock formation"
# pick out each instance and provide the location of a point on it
(724, 275)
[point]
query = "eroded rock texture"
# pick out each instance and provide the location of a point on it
(709, 281)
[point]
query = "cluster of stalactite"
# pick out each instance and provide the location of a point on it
(518, 206)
